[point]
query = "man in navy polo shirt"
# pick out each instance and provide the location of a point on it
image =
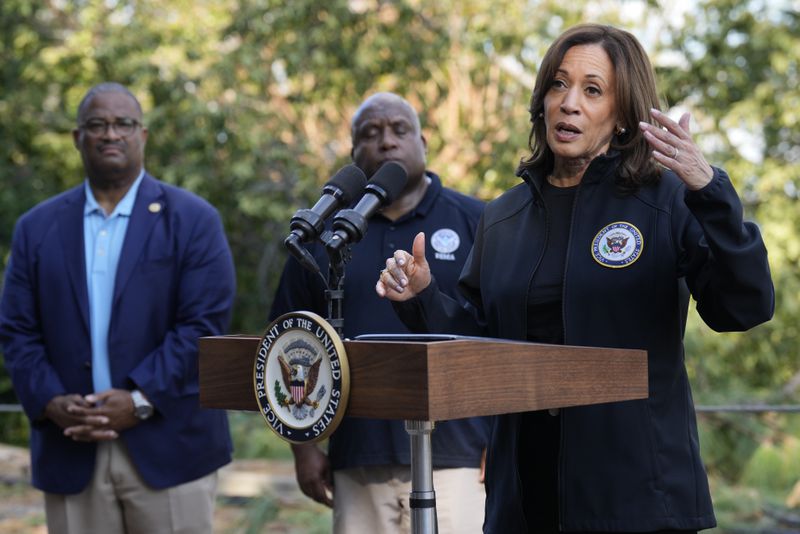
(365, 476)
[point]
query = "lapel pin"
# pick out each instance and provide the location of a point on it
(155, 207)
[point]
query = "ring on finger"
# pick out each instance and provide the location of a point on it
(675, 156)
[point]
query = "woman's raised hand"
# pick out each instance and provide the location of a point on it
(405, 275)
(674, 148)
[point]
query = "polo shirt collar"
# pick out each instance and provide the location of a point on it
(125, 205)
(429, 200)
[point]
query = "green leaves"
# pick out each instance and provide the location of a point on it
(742, 78)
(248, 104)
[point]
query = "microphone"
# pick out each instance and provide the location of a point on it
(350, 225)
(307, 224)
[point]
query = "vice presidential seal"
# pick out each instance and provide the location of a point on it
(617, 245)
(301, 378)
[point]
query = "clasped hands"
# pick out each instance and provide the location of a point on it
(95, 417)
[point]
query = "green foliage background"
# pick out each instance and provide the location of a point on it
(248, 104)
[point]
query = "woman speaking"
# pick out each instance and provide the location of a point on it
(618, 219)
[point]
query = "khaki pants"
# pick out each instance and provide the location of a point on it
(118, 501)
(375, 500)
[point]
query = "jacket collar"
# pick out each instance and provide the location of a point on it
(70, 229)
(603, 167)
(148, 208)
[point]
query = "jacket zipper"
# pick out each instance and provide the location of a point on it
(525, 315)
(562, 414)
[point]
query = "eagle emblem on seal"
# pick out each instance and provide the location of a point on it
(300, 373)
(616, 242)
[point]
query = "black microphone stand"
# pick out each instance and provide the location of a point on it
(422, 499)
(334, 294)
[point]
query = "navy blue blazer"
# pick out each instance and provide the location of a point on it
(175, 283)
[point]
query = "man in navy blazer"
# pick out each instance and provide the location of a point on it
(108, 288)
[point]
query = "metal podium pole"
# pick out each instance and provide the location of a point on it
(422, 501)
(423, 498)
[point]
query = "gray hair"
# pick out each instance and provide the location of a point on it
(105, 87)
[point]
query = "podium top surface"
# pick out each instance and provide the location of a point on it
(436, 378)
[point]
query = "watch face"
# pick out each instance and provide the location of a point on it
(141, 408)
(143, 411)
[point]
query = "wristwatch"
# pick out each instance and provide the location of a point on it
(141, 407)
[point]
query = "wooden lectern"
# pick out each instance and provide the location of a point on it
(427, 381)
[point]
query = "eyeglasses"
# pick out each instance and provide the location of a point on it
(123, 126)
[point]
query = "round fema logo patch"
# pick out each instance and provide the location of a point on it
(301, 378)
(444, 242)
(617, 245)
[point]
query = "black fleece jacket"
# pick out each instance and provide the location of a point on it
(627, 466)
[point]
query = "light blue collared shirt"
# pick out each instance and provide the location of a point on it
(103, 238)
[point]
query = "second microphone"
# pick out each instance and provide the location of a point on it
(350, 225)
